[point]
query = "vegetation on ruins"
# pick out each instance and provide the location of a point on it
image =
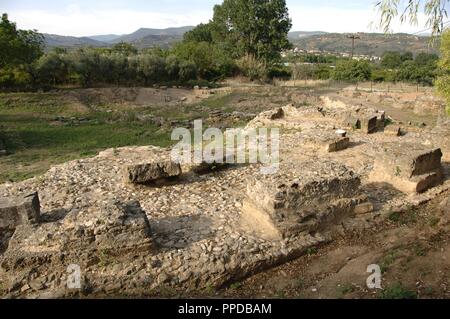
(243, 38)
(443, 82)
(436, 12)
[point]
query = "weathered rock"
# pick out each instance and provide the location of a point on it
(338, 144)
(369, 124)
(364, 208)
(275, 114)
(300, 197)
(393, 130)
(409, 167)
(445, 206)
(147, 173)
(19, 211)
(115, 232)
(341, 133)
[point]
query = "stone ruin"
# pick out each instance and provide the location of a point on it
(151, 172)
(301, 198)
(131, 232)
(411, 168)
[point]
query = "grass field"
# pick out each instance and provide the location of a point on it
(43, 129)
(35, 141)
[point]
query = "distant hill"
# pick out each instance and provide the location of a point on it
(373, 44)
(53, 40)
(144, 32)
(142, 38)
(105, 38)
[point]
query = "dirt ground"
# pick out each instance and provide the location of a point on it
(412, 250)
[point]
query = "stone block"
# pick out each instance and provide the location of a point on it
(411, 168)
(338, 144)
(95, 235)
(364, 208)
(393, 130)
(300, 197)
(369, 124)
(151, 172)
(274, 114)
(19, 211)
(408, 160)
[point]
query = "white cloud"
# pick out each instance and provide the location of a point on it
(74, 22)
(343, 20)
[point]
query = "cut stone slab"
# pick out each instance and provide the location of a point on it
(393, 130)
(19, 211)
(369, 124)
(151, 172)
(96, 235)
(338, 144)
(329, 141)
(411, 168)
(276, 114)
(408, 160)
(364, 208)
(300, 197)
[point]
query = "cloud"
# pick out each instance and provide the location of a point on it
(75, 22)
(333, 19)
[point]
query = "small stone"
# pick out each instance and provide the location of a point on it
(364, 208)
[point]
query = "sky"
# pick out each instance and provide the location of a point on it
(89, 17)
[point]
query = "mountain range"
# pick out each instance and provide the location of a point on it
(142, 38)
(374, 44)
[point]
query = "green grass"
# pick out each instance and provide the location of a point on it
(388, 260)
(35, 143)
(397, 291)
(407, 217)
(221, 101)
(344, 290)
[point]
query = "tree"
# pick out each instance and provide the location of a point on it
(424, 59)
(436, 12)
(408, 10)
(391, 60)
(124, 48)
(256, 28)
(201, 33)
(210, 60)
(443, 81)
(18, 46)
(52, 69)
(352, 71)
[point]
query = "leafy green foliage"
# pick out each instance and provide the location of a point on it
(443, 81)
(409, 10)
(352, 71)
(18, 46)
(397, 291)
(256, 28)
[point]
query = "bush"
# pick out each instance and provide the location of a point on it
(279, 72)
(250, 67)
